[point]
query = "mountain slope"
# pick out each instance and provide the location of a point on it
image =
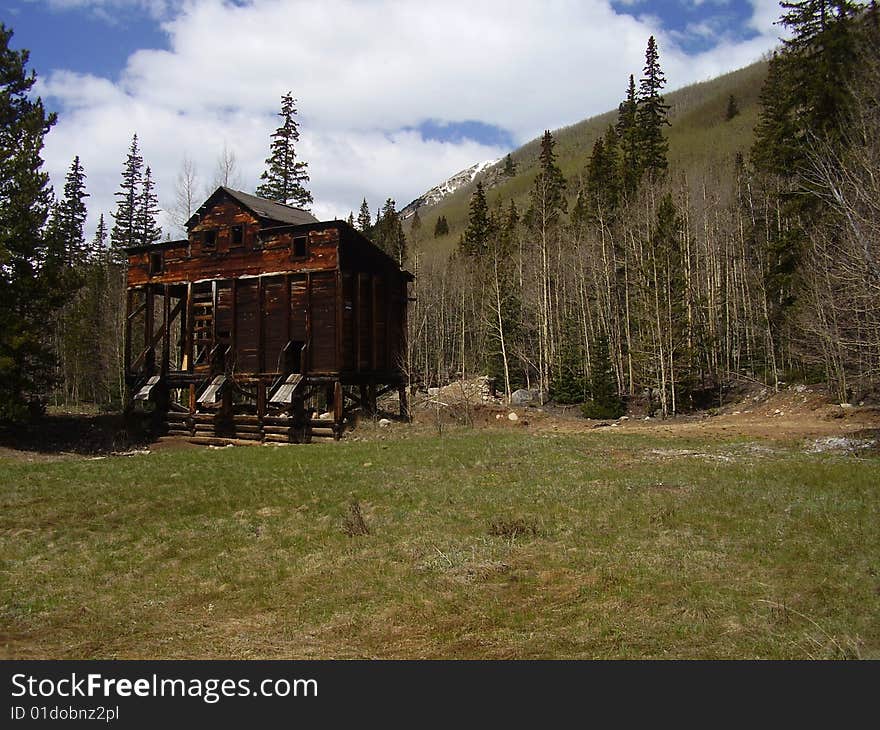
(442, 191)
(699, 138)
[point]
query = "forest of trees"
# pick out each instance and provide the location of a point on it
(767, 273)
(629, 280)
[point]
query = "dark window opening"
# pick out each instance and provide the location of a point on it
(156, 263)
(299, 247)
(210, 240)
(237, 240)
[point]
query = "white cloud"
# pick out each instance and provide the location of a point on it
(361, 71)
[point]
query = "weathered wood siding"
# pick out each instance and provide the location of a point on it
(257, 285)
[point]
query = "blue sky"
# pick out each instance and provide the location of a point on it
(393, 96)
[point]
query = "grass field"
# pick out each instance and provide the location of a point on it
(481, 544)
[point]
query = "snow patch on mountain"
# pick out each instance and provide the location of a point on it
(447, 187)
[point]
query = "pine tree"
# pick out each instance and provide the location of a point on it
(441, 227)
(285, 175)
(475, 239)
(98, 245)
(364, 222)
(627, 131)
(651, 115)
(350, 219)
(125, 230)
(602, 179)
(732, 108)
(568, 384)
(389, 234)
(509, 169)
(32, 284)
(548, 202)
(415, 225)
(148, 229)
(605, 402)
(69, 216)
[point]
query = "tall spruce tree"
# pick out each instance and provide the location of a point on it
(148, 209)
(32, 282)
(69, 216)
(364, 222)
(732, 108)
(388, 233)
(441, 227)
(651, 115)
(548, 203)
(605, 402)
(475, 239)
(98, 245)
(627, 132)
(125, 230)
(285, 176)
(509, 169)
(415, 225)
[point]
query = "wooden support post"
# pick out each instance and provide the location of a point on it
(192, 399)
(358, 321)
(374, 330)
(187, 358)
(261, 327)
(307, 364)
(261, 400)
(148, 321)
(371, 397)
(365, 401)
(129, 296)
(337, 409)
(166, 330)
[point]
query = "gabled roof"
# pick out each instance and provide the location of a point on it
(262, 208)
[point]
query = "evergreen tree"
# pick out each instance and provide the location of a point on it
(69, 216)
(605, 402)
(416, 225)
(125, 230)
(441, 227)
(98, 245)
(548, 202)
(364, 221)
(475, 239)
(285, 175)
(732, 108)
(651, 115)
(350, 219)
(509, 169)
(602, 181)
(388, 233)
(148, 229)
(32, 284)
(568, 383)
(627, 132)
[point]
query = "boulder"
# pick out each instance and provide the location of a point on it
(524, 397)
(384, 423)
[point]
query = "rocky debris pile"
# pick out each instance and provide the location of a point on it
(476, 390)
(841, 444)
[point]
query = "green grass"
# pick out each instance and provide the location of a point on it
(482, 544)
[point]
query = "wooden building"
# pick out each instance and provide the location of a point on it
(261, 318)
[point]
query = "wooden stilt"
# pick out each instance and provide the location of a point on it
(337, 409)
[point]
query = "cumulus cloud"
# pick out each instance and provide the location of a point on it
(366, 74)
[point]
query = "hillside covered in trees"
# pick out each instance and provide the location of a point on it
(729, 232)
